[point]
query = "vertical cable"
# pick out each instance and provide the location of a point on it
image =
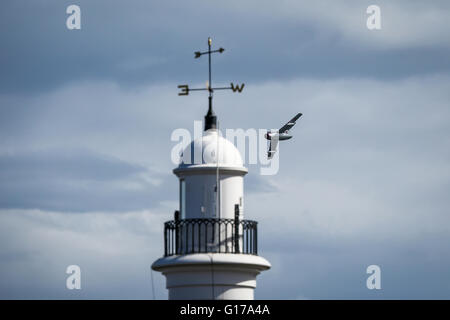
(217, 176)
(153, 284)
(212, 277)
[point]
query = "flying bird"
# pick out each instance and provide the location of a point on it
(281, 134)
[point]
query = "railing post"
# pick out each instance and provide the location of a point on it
(255, 238)
(165, 239)
(236, 229)
(177, 235)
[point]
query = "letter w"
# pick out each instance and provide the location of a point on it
(237, 88)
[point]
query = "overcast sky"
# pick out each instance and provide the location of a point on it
(86, 118)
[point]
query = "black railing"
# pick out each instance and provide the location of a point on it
(186, 236)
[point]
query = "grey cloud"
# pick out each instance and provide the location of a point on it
(78, 180)
(254, 183)
(127, 243)
(149, 42)
(319, 273)
(46, 243)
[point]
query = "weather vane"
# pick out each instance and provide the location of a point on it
(210, 118)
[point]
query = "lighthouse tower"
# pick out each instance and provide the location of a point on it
(210, 250)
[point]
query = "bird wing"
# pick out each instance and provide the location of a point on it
(272, 148)
(290, 124)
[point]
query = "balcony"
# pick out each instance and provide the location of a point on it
(188, 236)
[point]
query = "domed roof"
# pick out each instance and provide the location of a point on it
(203, 151)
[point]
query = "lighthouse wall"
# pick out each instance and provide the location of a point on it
(200, 196)
(211, 276)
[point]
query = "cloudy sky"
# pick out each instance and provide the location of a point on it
(86, 118)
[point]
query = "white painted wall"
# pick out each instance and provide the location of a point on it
(211, 276)
(201, 195)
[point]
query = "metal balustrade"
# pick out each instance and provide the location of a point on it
(187, 236)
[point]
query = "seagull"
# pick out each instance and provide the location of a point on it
(281, 134)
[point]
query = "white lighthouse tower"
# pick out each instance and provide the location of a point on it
(211, 251)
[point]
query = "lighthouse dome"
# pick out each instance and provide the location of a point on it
(205, 150)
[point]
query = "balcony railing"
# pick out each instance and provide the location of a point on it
(186, 236)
